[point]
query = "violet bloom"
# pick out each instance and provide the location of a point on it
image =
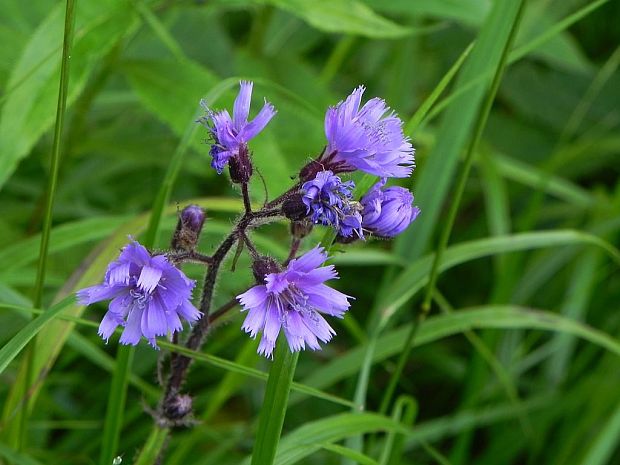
(149, 295)
(293, 300)
(369, 139)
(326, 198)
(231, 135)
(388, 212)
(352, 225)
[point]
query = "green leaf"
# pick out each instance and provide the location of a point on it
(32, 89)
(405, 410)
(275, 403)
(437, 327)
(605, 444)
(310, 437)
(434, 180)
(350, 454)
(114, 415)
(16, 458)
(415, 276)
(171, 90)
(342, 16)
(19, 341)
(63, 237)
(150, 451)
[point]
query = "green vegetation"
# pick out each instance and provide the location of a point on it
(513, 107)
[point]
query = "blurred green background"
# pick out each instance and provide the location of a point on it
(535, 228)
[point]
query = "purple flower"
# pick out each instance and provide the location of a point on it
(387, 212)
(149, 295)
(369, 139)
(293, 300)
(231, 135)
(326, 197)
(351, 225)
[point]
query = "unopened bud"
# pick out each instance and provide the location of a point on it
(240, 166)
(188, 229)
(263, 266)
(294, 208)
(178, 407)
(300, 229)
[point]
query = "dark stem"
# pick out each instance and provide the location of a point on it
(247, 204)
(253, 252)
(189, 257)
(180, 363)
(294, 248)
(278, 200)
(220, 312)
(198, 333)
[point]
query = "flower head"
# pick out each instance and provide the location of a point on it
(325, 197)
(388, 212)
(369, 138)
(231, 135)
(148, 296)
(293, 301)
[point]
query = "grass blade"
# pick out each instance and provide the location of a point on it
(271, 418)
(12, 348)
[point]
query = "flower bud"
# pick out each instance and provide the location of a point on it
(294, 208)
(263, 266)
(188, 229)
(240, 167)
(387, 212)
(178, 407)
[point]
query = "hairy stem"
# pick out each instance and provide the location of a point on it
(180, 364)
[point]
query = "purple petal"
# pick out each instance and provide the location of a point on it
(118, 273)
(241, 108)
(188, 311)
(319, 275)
(272, 323)
(266, 347)
(173, 321)
(134, 252)
(108, 324)
(259, 122)
(309, 261)
(318, 326)
(329, 301)
(255, 320)
(97, 293)
(276, 282)
(154, 321)
(253, 297)
(298, 334)
(132, 333)
(149, 278)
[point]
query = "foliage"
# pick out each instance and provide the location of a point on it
(518, 360)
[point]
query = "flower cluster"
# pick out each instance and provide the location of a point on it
(231, 135)
(149, 294)
(368, 139)
(293, 301)
(328, 202)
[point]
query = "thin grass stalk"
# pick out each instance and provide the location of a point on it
(61, 107)
(460, 188)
